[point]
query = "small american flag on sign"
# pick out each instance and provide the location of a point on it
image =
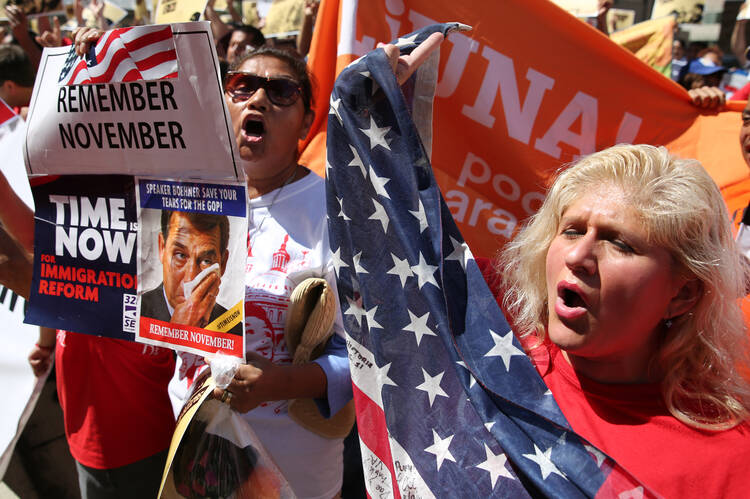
(6, 112)
(124, 54)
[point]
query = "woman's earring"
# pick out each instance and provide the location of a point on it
(668, 323)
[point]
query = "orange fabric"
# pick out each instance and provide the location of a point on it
(525, 92)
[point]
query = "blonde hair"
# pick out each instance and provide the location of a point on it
(682, 211)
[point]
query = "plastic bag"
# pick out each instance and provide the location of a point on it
(215, 453)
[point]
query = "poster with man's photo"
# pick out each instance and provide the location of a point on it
(191, 265)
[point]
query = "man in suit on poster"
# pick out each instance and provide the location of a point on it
(193, 253)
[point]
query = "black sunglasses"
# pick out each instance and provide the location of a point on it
(281, 91)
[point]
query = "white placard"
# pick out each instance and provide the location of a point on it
(176, 127)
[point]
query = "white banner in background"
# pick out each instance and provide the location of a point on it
(21, 389)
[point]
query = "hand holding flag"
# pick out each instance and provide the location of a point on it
(404, 65)
(438, 412)
(83, 38)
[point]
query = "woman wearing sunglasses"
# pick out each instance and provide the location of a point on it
(269, 96)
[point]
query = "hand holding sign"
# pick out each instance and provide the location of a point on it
(83, 38)
(260, 380)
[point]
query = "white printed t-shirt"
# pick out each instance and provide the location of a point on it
(286, 247)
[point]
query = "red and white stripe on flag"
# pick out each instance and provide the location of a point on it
(388, 469)
(127, 54)
(6, 112)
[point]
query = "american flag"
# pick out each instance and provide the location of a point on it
(124, 54)
(6, 112)
(448, 404)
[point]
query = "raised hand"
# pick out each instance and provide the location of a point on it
(404, 66)
(51, 37)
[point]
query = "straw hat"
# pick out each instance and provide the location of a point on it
(309, 325)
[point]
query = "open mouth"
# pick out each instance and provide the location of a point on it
(571, 304)
(571, 295)
(571, 299)
(254, 127)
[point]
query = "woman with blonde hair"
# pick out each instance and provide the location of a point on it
(625, 290)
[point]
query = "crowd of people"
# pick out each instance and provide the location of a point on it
(624, 289)
(698, 64)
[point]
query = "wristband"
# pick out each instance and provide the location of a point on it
(48, 349)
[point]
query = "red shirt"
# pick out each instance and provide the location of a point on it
(114, 398)
(631, 424)
(743, 93)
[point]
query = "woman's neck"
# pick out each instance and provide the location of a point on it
(256, 187)
(613, 370)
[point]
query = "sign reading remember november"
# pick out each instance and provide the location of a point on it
(170, 128)
(132, 97)
(96, 123)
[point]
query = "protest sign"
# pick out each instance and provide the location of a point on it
(172, 127)
(112, 12)
(191, 233)
(248, 12)
(85, 264)
(141, 114)
(618, 19)
(284, 18)
(687, 11)
(177, 11)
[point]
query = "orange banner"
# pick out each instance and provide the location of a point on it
(524, 93)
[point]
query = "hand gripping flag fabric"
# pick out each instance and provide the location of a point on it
(124, 54)
(448, 404)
